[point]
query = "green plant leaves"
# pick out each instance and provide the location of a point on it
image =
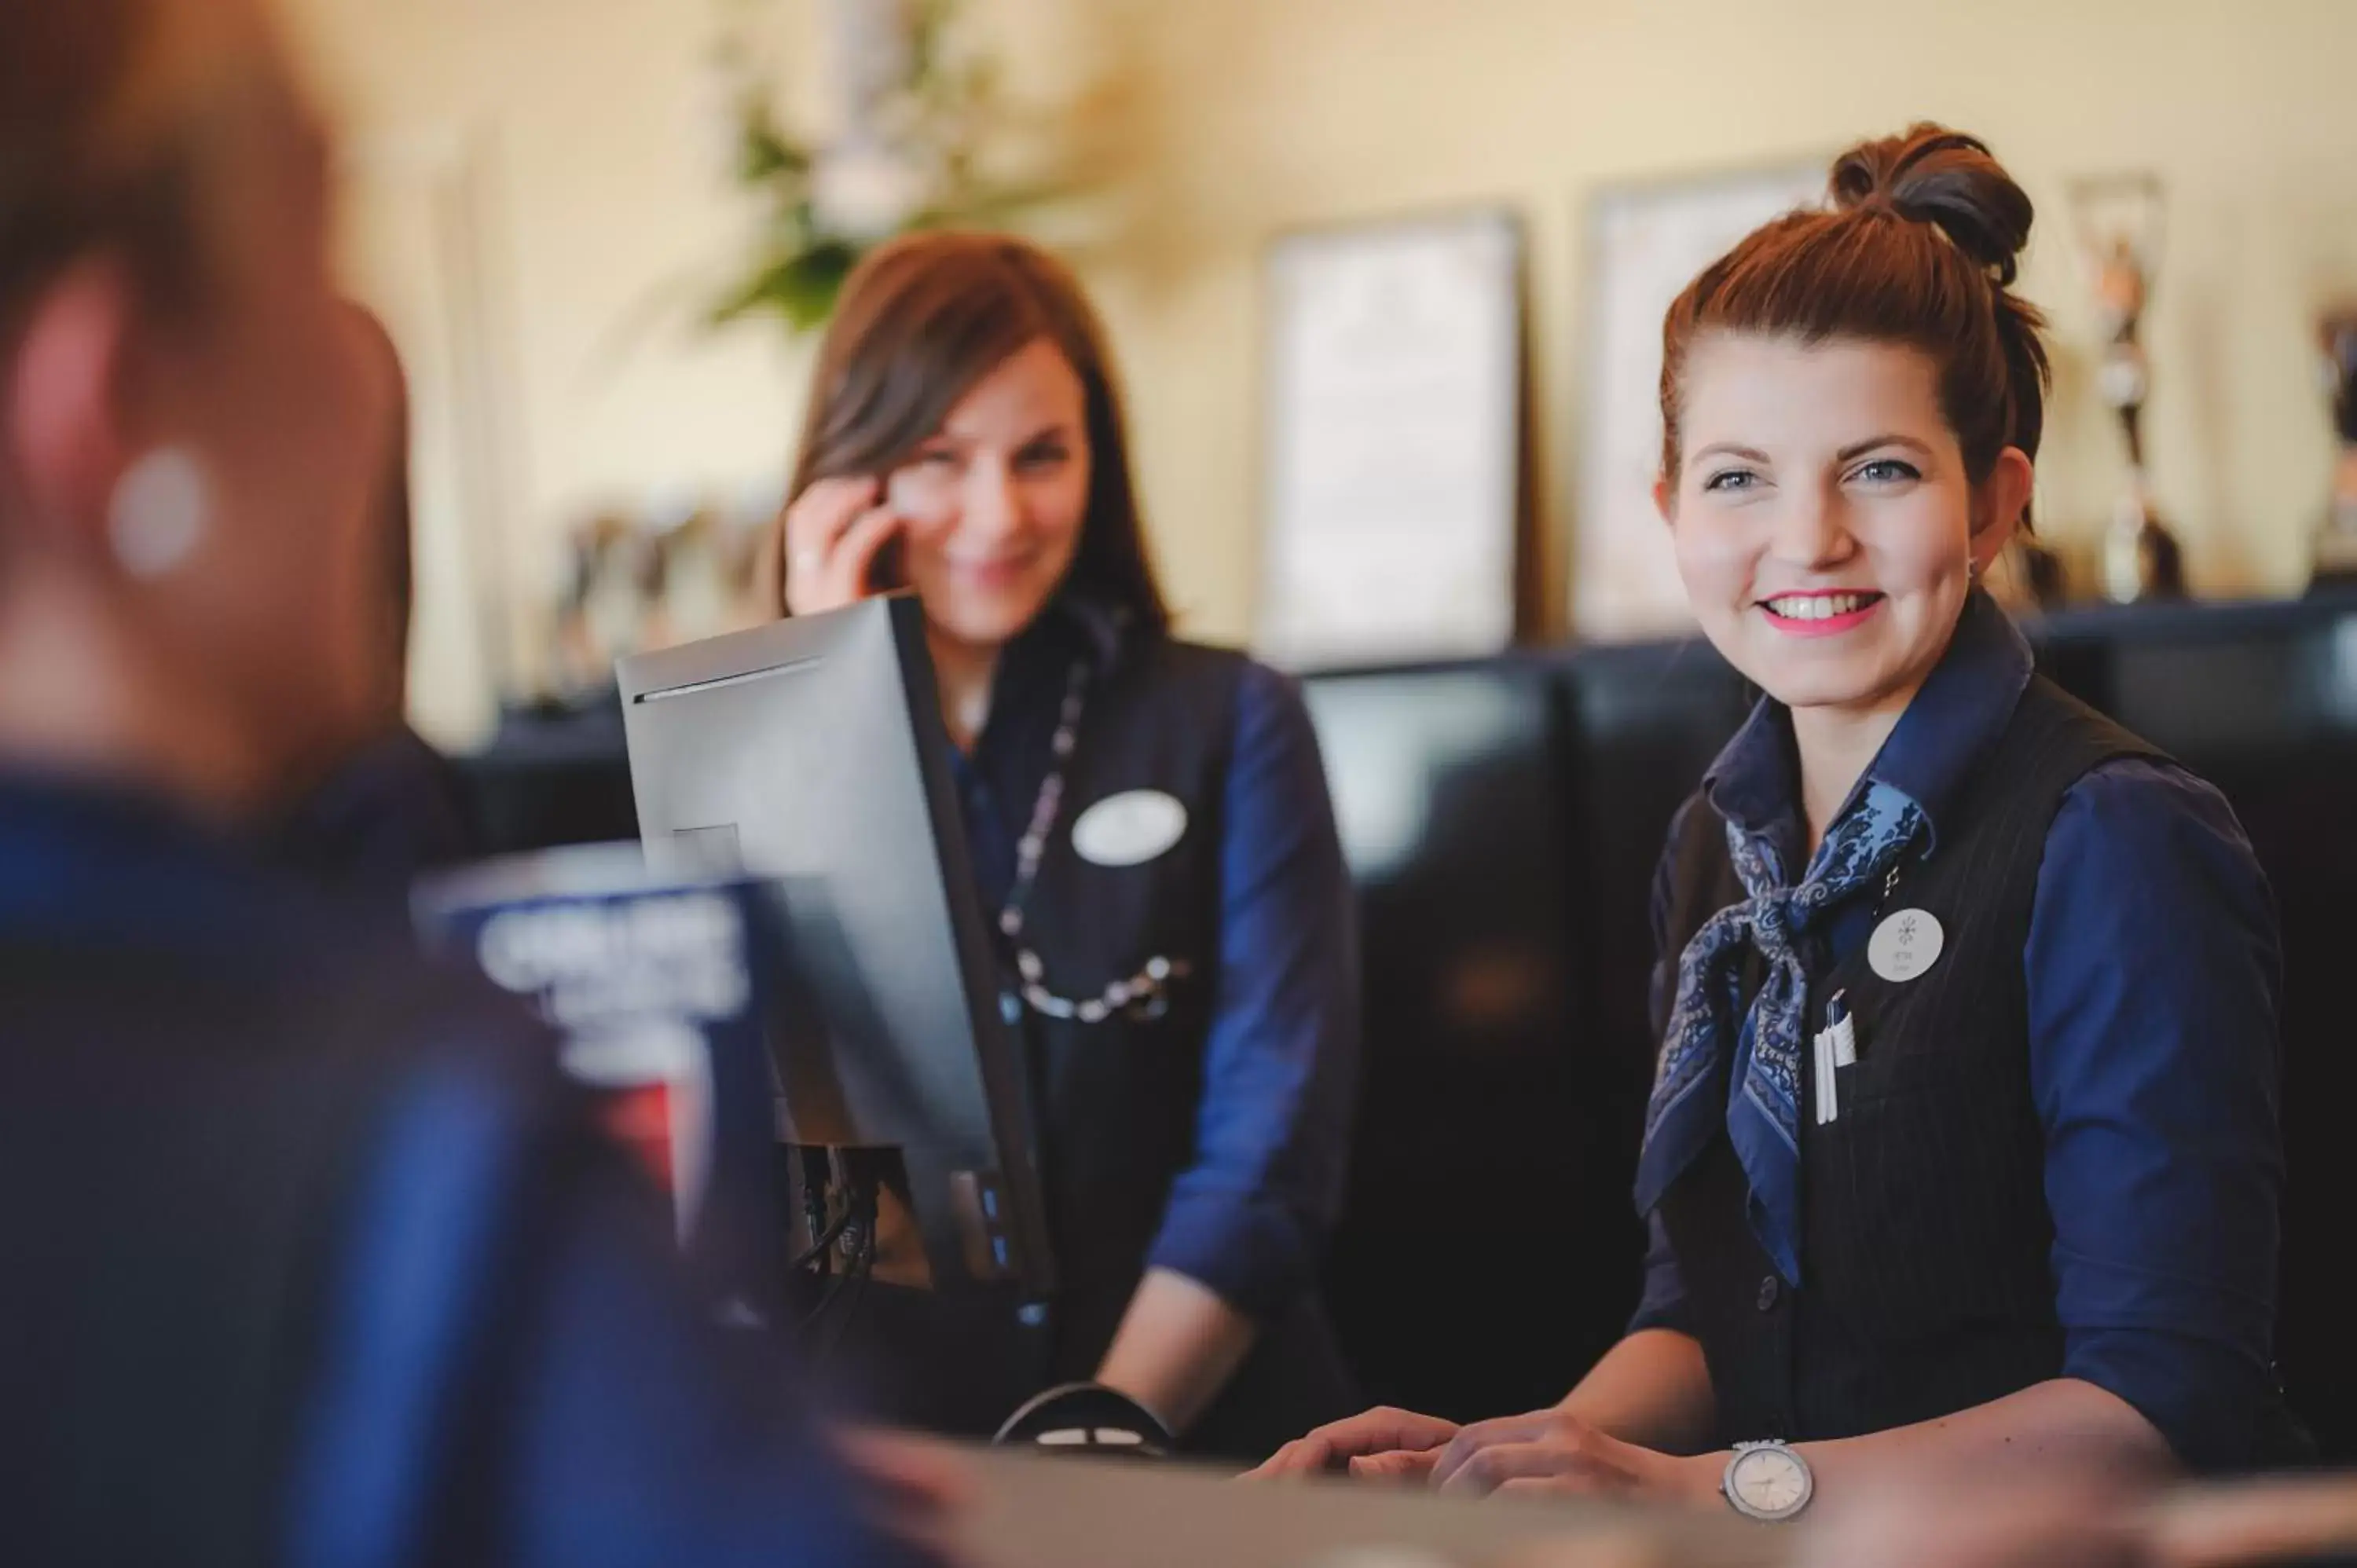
(801, 286)
(939, 118)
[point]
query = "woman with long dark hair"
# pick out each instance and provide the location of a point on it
(1148, 819)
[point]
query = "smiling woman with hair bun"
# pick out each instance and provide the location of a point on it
(1964, 1135)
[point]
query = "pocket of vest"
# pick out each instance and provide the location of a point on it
(1925, 1213)
(1891, 1064)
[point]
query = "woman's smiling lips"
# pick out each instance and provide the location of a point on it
(1821, 614)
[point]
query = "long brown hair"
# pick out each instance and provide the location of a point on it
(925, 318)
(1919, 247)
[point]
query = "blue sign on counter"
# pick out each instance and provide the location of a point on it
(660, 990)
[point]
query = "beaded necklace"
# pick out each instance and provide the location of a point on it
(1143, 995)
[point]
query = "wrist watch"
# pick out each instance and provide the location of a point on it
(1767, 1481)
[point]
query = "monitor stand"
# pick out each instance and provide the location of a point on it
(868, 1311)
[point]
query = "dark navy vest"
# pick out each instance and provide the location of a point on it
(1925, 1230)
(1116, 1101)
(1113, 1103)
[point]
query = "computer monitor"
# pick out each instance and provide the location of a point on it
(810, 754)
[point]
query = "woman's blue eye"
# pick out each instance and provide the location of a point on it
(1731, 480)
(1889, 471)
(938, 460)
(1042, 458)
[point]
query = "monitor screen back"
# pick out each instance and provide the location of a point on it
(792, 752)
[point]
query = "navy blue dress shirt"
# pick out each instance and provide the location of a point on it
(1250, 1216)
(2153, 974)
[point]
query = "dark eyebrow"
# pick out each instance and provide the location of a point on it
(1860, 448)
(1060, 431)
(1058, 435)
(1730, 449)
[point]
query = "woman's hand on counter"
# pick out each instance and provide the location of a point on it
(1376, 1444)
(1549, 1452)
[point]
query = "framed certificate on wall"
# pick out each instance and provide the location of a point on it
(1393, 440)
(1645, 244)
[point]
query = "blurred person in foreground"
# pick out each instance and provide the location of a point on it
(396, 808)
(311, 1255)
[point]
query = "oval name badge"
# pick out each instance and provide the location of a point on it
(1905, 945)
(1130, 828)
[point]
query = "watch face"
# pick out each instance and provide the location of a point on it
(1770, 1483)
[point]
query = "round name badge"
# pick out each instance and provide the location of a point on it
(1129, 829)
(1905, 945)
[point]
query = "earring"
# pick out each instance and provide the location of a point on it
(159, 513)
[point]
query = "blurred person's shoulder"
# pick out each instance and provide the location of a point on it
(254, 968)
(247, 1034)
(197, 1037)
(136, 931)
(209, 1067)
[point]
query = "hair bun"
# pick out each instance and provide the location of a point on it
(1944, 178)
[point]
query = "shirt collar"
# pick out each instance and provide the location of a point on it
(1962, 707)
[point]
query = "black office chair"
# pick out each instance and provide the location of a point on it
(1086, 1420)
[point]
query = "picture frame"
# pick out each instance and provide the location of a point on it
(1393, 481)
(1644, 243)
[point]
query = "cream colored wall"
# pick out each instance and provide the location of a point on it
(1236, 118)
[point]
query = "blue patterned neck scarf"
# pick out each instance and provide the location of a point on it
(1762, 1117)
